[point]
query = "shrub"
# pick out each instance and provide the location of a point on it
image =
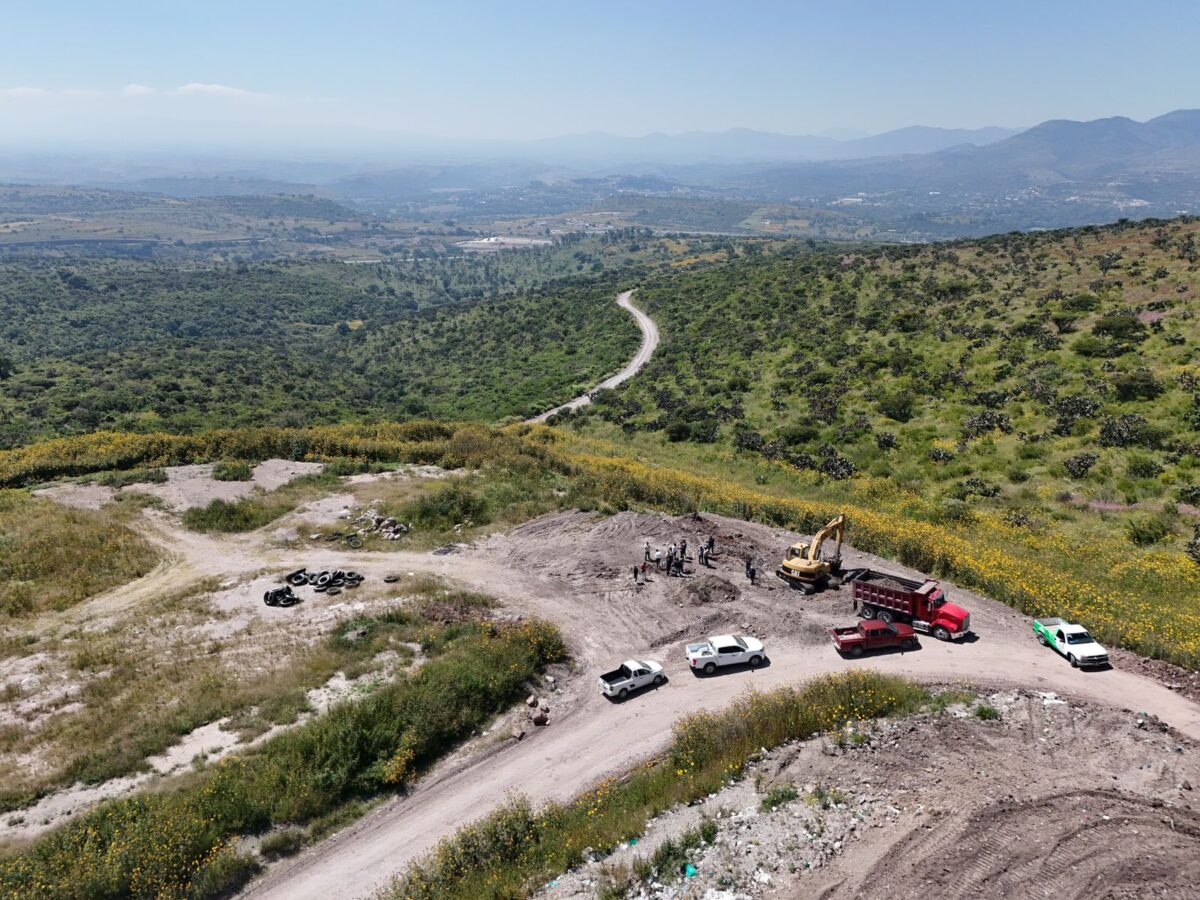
(281, 843)
(1079, 465)
(232, 516)
(232, 470)
(1147, 530)
(940, 454)
(899, 406)
(1125, 431)
(1137, 385)
(987, 713)
(886, 440)
(447, 507)
(1140, 466)
(988, 420)
(1189, 493)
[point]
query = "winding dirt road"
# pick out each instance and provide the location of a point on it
(604, 619)
(649, 343)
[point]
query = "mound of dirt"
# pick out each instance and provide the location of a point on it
(705, 589)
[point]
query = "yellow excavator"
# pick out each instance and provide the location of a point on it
(804, 568)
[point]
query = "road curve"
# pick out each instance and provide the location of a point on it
(649, 343)
(598, 738)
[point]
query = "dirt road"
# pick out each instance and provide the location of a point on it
(649, 343)
(544, 568)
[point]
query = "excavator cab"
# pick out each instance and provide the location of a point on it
(803, 566)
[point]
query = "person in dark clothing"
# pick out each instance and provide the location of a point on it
(683, 549)
(751, 573)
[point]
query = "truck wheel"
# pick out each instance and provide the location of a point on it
(622, 693)
(908, 644)
(755, 662)
(866, 612)
(709, 668)
(885, 615)
(941, 633)
(1074, 661)
(856, 650)
(1042, 639)
(658, 680)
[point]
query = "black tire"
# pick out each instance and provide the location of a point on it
(709, 668)
(1041, 639)
(885, 615)
(1074, 661)
(908, 644)
(622, 693)
(332, 591)
(391, 579)
(323, 579)
(856, 650)
(320, 588)
(270, 600)
(941, 633)
(866, 611)
(658, 680)
(354, 542)
(755, 662)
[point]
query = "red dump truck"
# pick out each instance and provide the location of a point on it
(922, 604)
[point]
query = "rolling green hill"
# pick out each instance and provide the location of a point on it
(1051, 376)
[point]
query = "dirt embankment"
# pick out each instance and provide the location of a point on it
(1050, 799)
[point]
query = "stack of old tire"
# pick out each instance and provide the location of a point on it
(326, 582)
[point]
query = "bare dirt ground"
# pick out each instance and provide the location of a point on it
(1052, 799)
(186, 486)
(575, 569)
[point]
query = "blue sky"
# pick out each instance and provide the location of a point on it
(332, 72)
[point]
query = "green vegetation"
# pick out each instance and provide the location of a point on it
(52, 557)
(516, 847)
(778, 796)
(1026, 374)
(182, 843)
(232, 470)
(132, 476)
(257, 510)
(166, 345)
(987, 713)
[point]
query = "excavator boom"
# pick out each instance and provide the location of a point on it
(804, 566)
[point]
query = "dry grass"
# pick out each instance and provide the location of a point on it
(52, 557)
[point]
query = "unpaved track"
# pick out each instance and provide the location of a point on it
(649, 343)
(591, 738)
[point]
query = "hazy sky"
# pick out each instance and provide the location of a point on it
(329, 72)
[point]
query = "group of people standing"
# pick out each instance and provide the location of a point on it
(674, 558)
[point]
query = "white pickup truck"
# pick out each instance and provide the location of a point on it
(725, 650)
(1071, 640)
(629, 676)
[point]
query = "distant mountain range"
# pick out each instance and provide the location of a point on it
(744, 144)
(1153, 155)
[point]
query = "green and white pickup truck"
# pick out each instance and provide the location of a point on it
(1072, 641)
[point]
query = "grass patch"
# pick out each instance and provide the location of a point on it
(182, 843)
(987, 713)
(232, 470)
(777, 797)
(53, 557)
(126, 477)
(257, 510)
(943, 700)
(510, 852)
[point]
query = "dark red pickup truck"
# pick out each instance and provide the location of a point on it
(872, 634)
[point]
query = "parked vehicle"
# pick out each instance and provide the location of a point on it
(921, 604)
(1070, 640)
(725, 650)
(873, 634)
(630, 676)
